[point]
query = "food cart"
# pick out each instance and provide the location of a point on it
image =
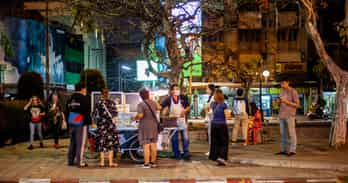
(127, 129)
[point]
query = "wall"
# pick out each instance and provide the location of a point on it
(27, 38)
(94, 52)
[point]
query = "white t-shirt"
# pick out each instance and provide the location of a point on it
(239, 107)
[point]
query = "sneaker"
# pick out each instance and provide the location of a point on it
(146, 166)
(221, 162)
(291, 154)
(153, 165)
(207, 154)
(31, 147)
(175, 157)
(41, 145)
(281, 153)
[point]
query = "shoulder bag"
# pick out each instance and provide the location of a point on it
(159, 126)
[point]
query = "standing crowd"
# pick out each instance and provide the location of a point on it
(149, 116)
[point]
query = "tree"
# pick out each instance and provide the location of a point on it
(342, 27)
(340, 76)
(173, 20)
(6, 45)
(30, 84)
(93, 79)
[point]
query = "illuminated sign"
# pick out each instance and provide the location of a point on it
(143, 73)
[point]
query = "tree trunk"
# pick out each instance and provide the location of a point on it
(339, 124)
(176, 60)
(321, 87)
(173, 54)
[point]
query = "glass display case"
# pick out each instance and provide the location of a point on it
(132, 99)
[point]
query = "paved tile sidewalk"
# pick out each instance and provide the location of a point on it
(17, 162)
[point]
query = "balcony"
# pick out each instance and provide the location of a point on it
(289, 57)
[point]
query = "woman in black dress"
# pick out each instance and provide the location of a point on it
(106, 129)
(56, 118)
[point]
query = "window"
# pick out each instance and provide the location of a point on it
(288, 39)
(249, 39)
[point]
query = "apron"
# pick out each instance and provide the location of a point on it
(209, 115)
(175, 111)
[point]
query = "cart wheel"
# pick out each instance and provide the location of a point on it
(136, 154)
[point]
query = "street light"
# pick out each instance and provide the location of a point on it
(265, 74)
(124, 67)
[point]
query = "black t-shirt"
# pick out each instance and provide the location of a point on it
(35, 111)
(80, 104)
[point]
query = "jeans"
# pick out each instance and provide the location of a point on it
(33, 127)
(185, 143)
(77, 144)
(240, 121)
(288, 139)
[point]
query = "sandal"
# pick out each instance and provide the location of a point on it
(83, 165)
(101, 166)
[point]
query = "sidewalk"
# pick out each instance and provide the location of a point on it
(311, 154)
(253, 163)
(300, 119)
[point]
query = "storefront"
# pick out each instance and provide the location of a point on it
(269, 96)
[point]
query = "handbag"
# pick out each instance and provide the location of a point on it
(159, 126)
(64, 126)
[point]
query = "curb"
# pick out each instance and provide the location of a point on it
(291, 164)
(226, 180)
(222, 180)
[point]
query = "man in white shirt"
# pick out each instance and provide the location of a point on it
(240, 111)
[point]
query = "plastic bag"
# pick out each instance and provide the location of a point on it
(64, 125)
